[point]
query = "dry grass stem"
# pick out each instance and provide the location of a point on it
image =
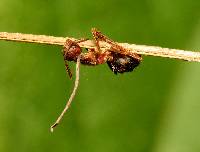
(140, 49)
(71, 97)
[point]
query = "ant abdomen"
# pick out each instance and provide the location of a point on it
(120, 63)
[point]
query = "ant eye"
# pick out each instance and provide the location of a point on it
(122, 63)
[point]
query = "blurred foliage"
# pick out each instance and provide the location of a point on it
(153, 109)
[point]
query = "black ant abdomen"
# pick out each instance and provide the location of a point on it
(120, 63)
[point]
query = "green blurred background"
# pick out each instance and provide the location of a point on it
(156, 108)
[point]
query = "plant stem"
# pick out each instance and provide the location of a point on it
(140, 49)
(76, 83)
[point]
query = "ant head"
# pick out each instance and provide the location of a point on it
(71, 50)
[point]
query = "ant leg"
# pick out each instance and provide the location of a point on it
(134, 55)
(115, 47)
(98, 36)
(69, 72)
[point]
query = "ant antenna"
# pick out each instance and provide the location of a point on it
(76, 83)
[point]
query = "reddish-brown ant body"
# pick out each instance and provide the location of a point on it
(118, 58)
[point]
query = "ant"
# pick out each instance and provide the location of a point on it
(118, 58)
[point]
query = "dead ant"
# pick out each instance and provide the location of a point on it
(118, 58)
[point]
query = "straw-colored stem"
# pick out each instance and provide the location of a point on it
(140, 49)
(71, 96)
